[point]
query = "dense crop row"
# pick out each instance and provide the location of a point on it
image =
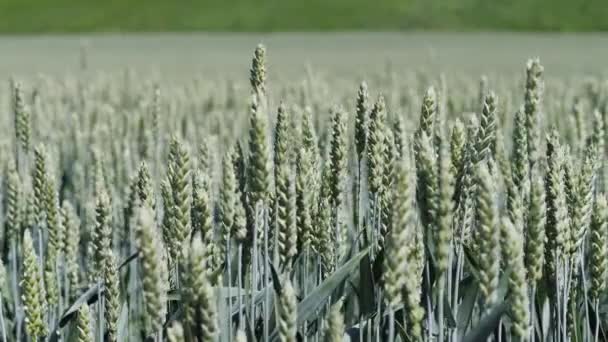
(441, 211)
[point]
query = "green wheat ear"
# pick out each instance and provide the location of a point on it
(558, 219)
(286, 229)
(282, 161)
(53, 224)
(465, 183)
(411, 297)
(532, 108)
(361, 120)
(55, 240)
(399, 135)
(287, 313)
(486, 136)
(428, 112)
(258, 166)
(598, 248)
(323, 242)
(239, 229)
(83, 325)
(405, 226)
(338, 163)
(145, 187)
(309, 138)
(112, 298)
(197, 292)
(584, 198)
(143, 137)
(387, 193)
(338, 155)
(168, 220)
(520, 164)
(227, 201)
(517, 287)
(21, 117)
(303, 199)
(257, 76)
(597, 139)
(281, 137)
(427, 188)
(201, 210)
(40, 180)
(487, 237)
(153, 268)
(33, 293)
(535, 229)
(598, 135)
(398, 243)
(29, 220)
(102, 232)
(458, 139)
(445, 208)
(376, 146)
(14, 201)
(178, 176)
(205, 157)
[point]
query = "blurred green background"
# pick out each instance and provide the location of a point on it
(57, 16)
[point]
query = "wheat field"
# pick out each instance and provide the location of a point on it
(336, 199)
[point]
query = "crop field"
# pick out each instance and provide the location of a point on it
(350, 55)
(34, 16)
(304, 187)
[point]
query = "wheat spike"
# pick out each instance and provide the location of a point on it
(427, 179)
(303, 199)
(14, 201)
(445, 207)
(112, 298)
(285, 220)
(71, 225)
(227, 201)
(200, 310)
(487, 234)
(376, 146)
(535, 229)
(258, 166)
(257, 76)
(486, 136)
(178, 175)
(517, 288)
(22, 118)
(520, 162)
(201, 210)
(33, 294)
(83, 325)
(154, 281)
(598, 248)
(558, 220)
(361, 120)
(287, 313)
(532, 108)
(396, 256)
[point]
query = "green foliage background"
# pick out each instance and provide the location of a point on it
(41, 16)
